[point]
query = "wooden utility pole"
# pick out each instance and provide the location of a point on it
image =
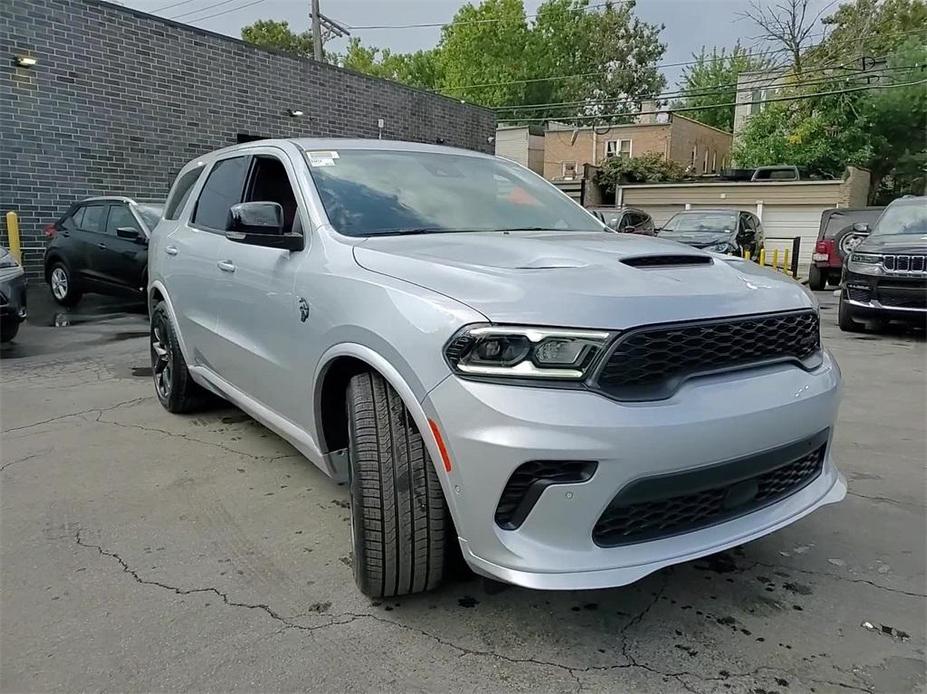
(316, 31)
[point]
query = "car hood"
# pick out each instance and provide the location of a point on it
(697, 239)
(894, 243)
(579, 279)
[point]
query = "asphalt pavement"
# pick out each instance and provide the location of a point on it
(143, 551)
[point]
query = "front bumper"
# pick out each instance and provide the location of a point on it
(13, 298)
(886, 297)
(491, 429)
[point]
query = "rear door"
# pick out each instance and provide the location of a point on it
(90, 240)
(122, 262)
(191, 256)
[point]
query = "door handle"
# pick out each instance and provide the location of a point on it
(101, 246)
(171, 250)
(226, 266)
(65, 233)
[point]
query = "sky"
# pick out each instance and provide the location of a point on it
(689, 24)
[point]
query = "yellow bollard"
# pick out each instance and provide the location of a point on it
(746, 254)
(775, 259)
(786, 265)
(12, 232)
(762, 256)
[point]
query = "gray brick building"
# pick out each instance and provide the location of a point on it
(118, 100)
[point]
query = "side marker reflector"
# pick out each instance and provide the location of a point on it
(442, 449)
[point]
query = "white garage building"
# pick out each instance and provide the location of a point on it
(787, 208)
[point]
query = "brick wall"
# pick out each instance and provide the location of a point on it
(119, 100)
(687, 134)
(588, 147)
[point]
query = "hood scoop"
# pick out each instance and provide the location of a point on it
(675, 260)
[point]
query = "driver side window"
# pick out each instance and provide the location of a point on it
(269, 183)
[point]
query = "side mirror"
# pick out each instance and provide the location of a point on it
(128, 233)
(862, 228)
(261, 224)
(628, 229)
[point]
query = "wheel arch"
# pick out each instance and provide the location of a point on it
(157, 292)
(335, 370)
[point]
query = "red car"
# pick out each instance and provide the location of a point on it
(836, 237)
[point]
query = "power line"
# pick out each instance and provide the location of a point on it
(715, 91)
(167, 7)
(765, 54)
(426, 25)
(201, 9)
(228, 11)
(796, 97)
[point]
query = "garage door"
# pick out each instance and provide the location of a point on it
(793, 220)
(662, 213)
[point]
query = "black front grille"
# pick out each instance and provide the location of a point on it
(529, 480)
(913, 264)
(650, 363)
(628, 520)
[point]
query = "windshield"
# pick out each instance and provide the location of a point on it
(150, 214)
(903, 218)
(371, 192)
(707, 222)
(838, 221)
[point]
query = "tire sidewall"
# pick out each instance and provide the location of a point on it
(358, 536)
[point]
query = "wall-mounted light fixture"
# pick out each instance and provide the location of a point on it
(295, 113)
(26, 61)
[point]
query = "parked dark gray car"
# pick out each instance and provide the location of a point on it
(12, 296)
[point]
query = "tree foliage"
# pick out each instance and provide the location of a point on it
(587, 59)
(269, 33)
(711, 81)
(650, 167)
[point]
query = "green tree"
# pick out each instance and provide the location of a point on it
(651, 167)
(269, 33)
(881, 129)
(482, 53)
(712, 81)
(871, 28)
(419, 69)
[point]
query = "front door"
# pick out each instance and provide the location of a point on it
(261, 328)
(122, 262)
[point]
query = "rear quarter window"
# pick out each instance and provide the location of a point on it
(180, 193)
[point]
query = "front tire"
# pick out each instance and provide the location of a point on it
(398, 513)
(63, 287)
(845, 318)
(174, 386)
(8, 330)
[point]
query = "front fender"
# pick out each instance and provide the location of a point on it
(401, 385)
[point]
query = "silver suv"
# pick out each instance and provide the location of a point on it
(488, 365)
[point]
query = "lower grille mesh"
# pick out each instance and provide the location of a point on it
(623, 524)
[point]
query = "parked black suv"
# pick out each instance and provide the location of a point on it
(99, 245)
(885, 277)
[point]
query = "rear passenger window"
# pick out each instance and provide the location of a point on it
(222, 189)
(180, 193)
(94, 218)
(73, 220)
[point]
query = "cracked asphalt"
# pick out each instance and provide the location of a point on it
(142, 551)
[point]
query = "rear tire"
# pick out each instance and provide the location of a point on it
(64, 288)
(845, 319)
(398, 513)
(816, 279)
(174, 386)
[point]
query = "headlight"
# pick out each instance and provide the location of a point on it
(9, 268)
(865, 263)
(525, 352)
(723, 247)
